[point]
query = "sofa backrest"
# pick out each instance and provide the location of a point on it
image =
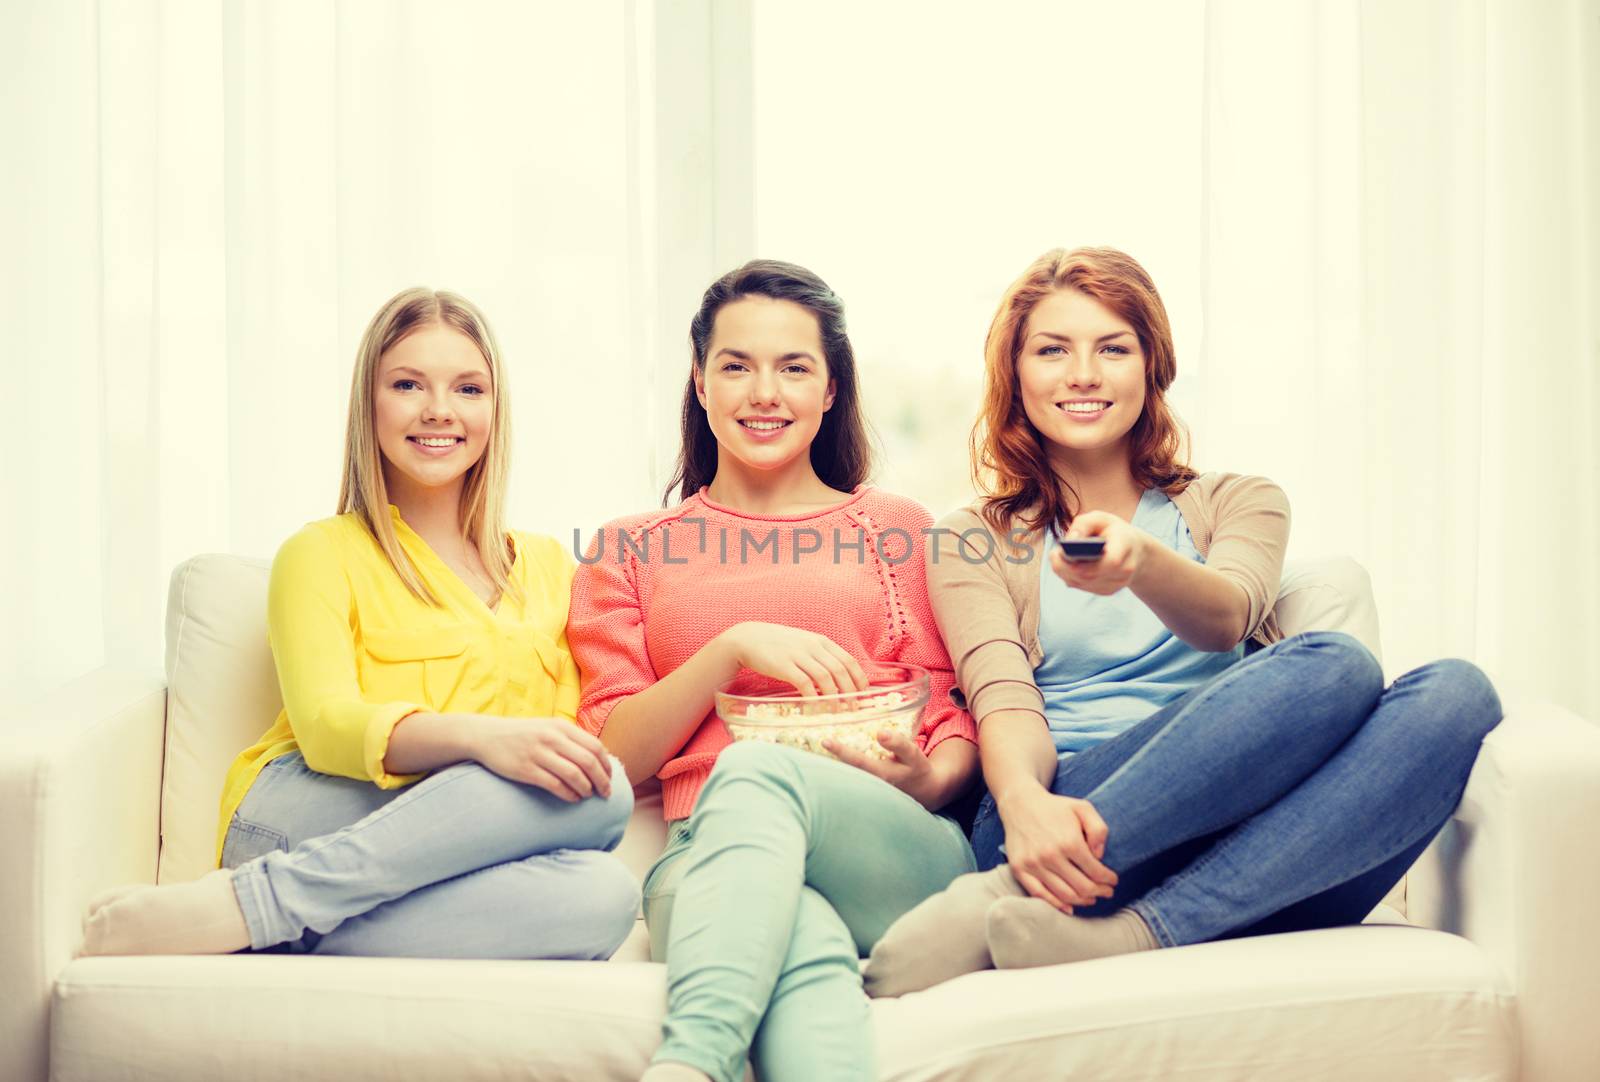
(222, 689)
(1333, 593)
(222, 694)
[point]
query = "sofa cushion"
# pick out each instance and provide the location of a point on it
(1346, 1003)
(1330, 593)
(1335, 1005)
(222, 694)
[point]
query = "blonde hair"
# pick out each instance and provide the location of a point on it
(362, 491)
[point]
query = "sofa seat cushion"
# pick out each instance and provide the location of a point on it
(1347, 1003)
(1366, 1002)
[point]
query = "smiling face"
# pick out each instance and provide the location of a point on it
(1081, 372)
(765, 384)
(433, 408)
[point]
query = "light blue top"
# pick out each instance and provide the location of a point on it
(1109, 663)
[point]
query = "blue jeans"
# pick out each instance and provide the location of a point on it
(1291, 792)
(462, 864)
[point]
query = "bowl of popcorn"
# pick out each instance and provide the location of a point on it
(757, 707)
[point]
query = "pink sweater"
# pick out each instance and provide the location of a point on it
(855, 573)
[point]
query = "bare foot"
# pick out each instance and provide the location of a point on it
(201, 917)
(106, 897)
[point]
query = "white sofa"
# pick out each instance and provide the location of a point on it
(116, 778)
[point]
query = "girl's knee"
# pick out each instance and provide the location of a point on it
(1464, 699)
(750, 757)
(603, 819)
(748, 765)
(1351, 656)
(1349, 663)
(617, 809)
(575, 904)
(610, 897)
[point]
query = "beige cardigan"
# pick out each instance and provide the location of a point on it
(985, 594)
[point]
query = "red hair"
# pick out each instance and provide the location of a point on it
(1009, 464)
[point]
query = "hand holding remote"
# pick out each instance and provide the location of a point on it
(1122, 551)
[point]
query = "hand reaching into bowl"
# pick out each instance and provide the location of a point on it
(813, 663)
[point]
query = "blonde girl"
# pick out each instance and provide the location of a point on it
(424, 791)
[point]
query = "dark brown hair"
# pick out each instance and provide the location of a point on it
(842, 451)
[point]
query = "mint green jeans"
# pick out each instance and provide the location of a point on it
(766, 898)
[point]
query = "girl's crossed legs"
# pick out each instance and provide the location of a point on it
(462, 864)
(1291, 792)
(791, 867)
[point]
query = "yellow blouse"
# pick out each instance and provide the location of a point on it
(356, 651)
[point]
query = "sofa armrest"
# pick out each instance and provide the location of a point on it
(80, 800)
(1515, 871)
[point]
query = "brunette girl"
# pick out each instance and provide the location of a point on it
(782, 866)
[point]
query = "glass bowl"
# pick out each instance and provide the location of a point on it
(755, 707)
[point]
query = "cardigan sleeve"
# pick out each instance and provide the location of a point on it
(946, 716)
(311, 625)
(978, 619)
(1249, 533)
(605, 631)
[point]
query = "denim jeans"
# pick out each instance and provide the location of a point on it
(790, 868)
(1290, 792)
(462, 864)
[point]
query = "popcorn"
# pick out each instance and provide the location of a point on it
(869, 707)
(807, 723)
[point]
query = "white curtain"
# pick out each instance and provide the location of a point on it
(1375, 225)
(204, 202)
(1401, 264)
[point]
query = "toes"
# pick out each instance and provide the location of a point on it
(107, 897)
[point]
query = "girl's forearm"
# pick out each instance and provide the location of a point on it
(646, 729)
(1017, 753)
(954, 763)
(426, 741)
(1200, 606)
